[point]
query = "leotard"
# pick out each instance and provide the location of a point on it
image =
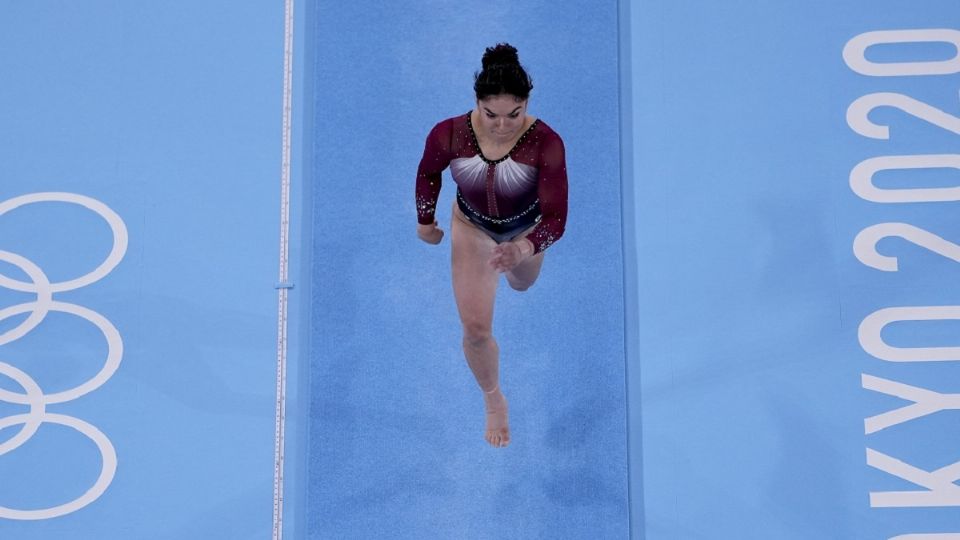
(502, 197)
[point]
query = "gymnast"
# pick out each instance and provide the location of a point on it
(511, 205)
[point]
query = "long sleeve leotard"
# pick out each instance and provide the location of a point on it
(533, 173)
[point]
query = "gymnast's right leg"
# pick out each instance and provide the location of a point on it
(475, 288)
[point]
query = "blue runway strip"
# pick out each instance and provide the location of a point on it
(396, 446)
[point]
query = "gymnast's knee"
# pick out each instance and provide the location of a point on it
(519, 285)
(476, 335)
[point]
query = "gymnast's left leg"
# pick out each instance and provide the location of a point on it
(523, 276)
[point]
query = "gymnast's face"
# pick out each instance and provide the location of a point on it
(501, 117)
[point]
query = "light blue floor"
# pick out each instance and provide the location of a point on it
(749, 293)
(167, 114)
(396, 447)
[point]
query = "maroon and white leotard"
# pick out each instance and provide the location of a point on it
(530, 181)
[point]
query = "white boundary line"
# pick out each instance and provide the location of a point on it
(283, 287)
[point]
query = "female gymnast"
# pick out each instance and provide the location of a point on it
(511, 205)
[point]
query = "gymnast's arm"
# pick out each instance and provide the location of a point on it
(436, 158)
(552, 192)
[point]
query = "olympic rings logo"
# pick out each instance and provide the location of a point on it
(32, 395)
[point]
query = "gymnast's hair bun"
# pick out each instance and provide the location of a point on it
(501, 54)
(502, 74)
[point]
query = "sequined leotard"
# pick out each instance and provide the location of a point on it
(527, 186)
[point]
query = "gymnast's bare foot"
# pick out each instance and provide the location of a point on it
(498, 431)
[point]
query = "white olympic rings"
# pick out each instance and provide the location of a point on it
(32, 395)
(116, 226)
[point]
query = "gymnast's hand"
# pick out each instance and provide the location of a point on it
(508, 255)
(430, 233)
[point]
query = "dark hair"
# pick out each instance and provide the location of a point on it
(502, 74)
